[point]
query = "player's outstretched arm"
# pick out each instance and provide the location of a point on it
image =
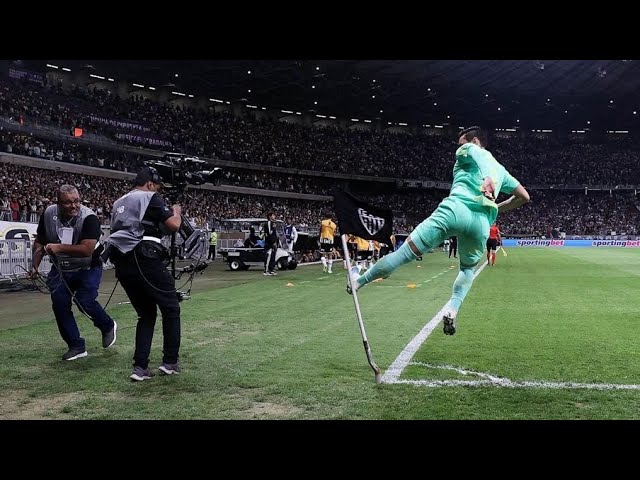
(519, 197)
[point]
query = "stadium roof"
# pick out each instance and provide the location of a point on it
(540, 93)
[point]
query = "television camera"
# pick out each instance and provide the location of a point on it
(179, 171)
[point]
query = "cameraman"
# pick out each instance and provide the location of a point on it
(69, 232)
(138, 221)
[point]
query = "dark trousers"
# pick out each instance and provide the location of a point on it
(453, 248)
(84, 284)
(270, 258)
(212, 252)
(148, 287)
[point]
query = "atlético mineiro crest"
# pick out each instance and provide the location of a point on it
(370, 222)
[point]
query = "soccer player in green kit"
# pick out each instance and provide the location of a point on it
(468, 212)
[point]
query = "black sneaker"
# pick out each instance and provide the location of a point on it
(169, 368)
(449, 322)
(75, 353)
(109, 338)
(139, 374)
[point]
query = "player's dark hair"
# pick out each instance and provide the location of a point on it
(470, 133)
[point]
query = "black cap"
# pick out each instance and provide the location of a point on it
(147, 174)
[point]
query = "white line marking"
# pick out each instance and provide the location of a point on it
(400, 363)
(494, 381)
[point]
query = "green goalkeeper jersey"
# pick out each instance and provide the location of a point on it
(473, 165)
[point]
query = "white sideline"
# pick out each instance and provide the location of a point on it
(494, 381)
(400, 363)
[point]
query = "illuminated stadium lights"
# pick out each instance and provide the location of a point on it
(66, 69)
(486, 94)
(428, 126)
(373, 96)
(138, 85)
(518, 120)
(369, 121)
(315, 103)
(428, 89)
(588, 122)
(318, 68)
(52, 66)
(180, 93)
(215, 100)
(111, 79)
(547, 131)
(548, 99)
(249, 72)
(435, 104)
(498, 108)
(321, 116)
(176, 75)
(610, 101)
(313, 86)
(249, 91)
(286, 111)
(298, 113)
(355, 120)
(390, 123)
(153, 88)
(190, 96)
(566, 111)
(96, 76)
(403, 124)
(448, 116)
(252, 106)
(383, 111)
(332, 118)
(618, 131)
(509, 129)
(438, 126)
(635, 113)
(228, 102)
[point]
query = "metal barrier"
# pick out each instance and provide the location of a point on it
(15, 259)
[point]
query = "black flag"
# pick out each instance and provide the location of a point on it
(362, 219)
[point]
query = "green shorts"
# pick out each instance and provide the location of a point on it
(453, 217)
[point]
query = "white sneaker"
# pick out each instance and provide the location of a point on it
(353, 273)
(449, 321)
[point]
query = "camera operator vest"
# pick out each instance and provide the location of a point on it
(53, 226)
(127, 228)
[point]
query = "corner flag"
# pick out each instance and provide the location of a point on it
(366, 221)
(362, 219)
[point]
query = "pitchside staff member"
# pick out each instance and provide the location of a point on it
(137, 225)
(69, 232)
(270, 244)
(453, 246)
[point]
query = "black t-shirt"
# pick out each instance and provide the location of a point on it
(90, 231)
(156, 214)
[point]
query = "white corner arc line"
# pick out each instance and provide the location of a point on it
(392, 374)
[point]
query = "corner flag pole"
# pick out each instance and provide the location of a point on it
(363, 333)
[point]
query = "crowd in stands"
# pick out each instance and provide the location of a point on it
(25, 191)
(534, 161)
(269, 142)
